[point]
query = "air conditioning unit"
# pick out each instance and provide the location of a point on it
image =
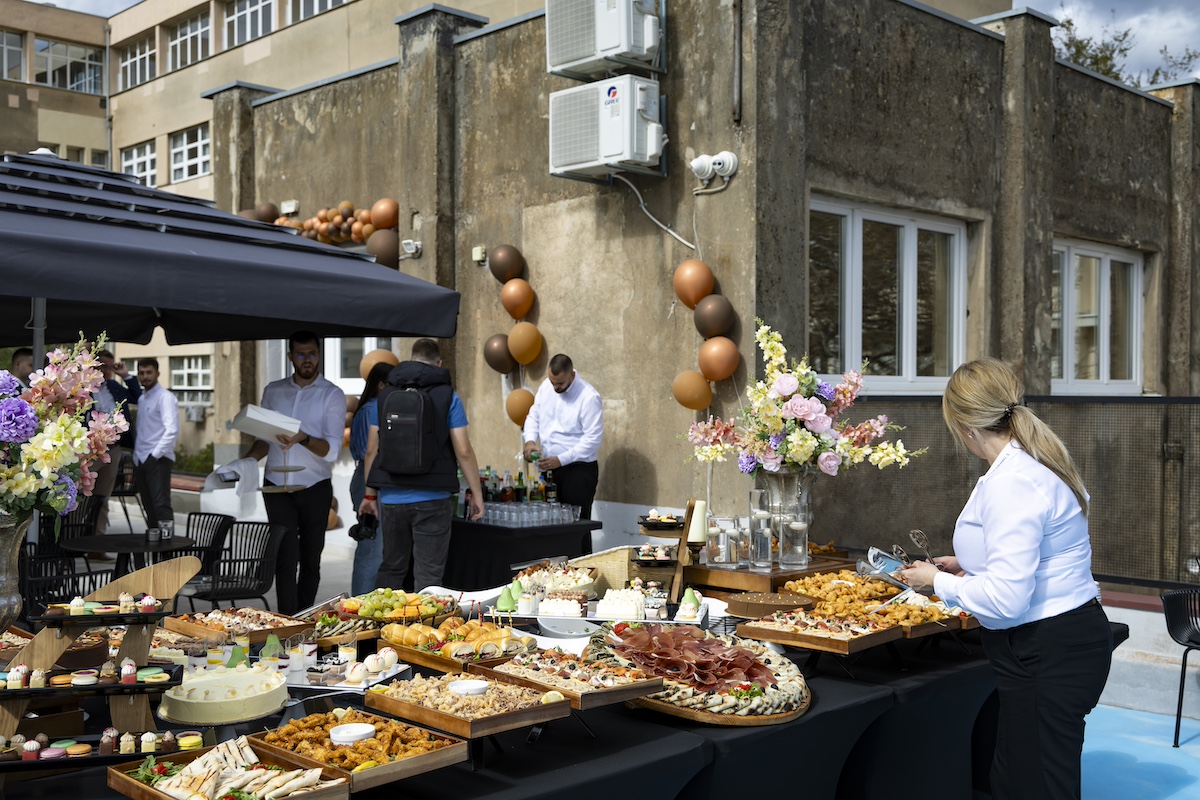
(605, 127)
(193, 413)
(584, 37)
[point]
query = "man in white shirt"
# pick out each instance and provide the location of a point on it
(321, 408)
(567, 418)
(154, 450)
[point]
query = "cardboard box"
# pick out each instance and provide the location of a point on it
(263, 423)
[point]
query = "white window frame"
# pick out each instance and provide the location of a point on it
(258, 16)
(51, 55)
(183, 367)
(141, 160)
(98, 155)
(300, 10)
(12, 54)
(331, 362)
(189, 41)
(1069, 384)
(852, 292)
(183, 159)
(138, 63)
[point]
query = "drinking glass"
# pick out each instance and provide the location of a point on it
(348, 647)
(760, 531)
(166, 528)
(717, 540)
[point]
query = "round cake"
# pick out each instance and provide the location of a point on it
(219, 695)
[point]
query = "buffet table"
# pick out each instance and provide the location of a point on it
(480, 554)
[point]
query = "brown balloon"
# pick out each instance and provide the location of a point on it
(691, 390)
(517, 297)
(265, 212)
(248, 213)
(719, 357)
(714, 316)
(693, 282)
(517, 405)
(506, 262)
(524, 342)
(385, 213)
(384, 244)
(497, 356)
(374, 357)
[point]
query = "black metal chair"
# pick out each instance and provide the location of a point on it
(125, 487)
(209, 532)
(53, 579)
(1181, 608)
(80, 522)
(246, 570)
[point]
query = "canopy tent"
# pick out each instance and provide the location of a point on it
(108, 254)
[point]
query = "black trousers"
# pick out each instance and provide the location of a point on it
(577, 487)
(1049, 674)
(153, 480)
(305, 514)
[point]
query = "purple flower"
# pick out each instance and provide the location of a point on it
(71, 491)
(825, 390)
(18, 420)
(9, 386)
(747, 463)
(829, 462)
(776, 440)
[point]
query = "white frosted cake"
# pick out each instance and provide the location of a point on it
(560, 608)
(622, 604)
(219, 695)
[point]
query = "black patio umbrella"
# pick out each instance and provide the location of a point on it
(109, 254)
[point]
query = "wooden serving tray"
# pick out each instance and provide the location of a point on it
(119, 779)
(256, 637)
(468, 728)
(423, 658)
(578, 700)
(331, 642)
(930, 628)
(749, 630)
(384, 773)
(757, 605)
(969, 622)
(709, 718)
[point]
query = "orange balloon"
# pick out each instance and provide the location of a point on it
(524, 342)
(385, 213)
(517, 405)
(517, 296)
(374, 357)
(691, 390)
(719, 357)
(693, 282)
(346, 437)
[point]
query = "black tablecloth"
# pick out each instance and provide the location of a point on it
(481, 555)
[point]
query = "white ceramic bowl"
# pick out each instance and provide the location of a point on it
(349, 734)
(468, 687)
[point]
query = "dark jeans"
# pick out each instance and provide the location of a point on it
(416, 536)
(577, 487)
(305, 514)
(1049, 674)
(369, 552)
(153, 480)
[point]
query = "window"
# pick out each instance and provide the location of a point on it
(889, 287)
(191, 380)
(303, 9)
(138, 63)
(188, 41)
(341, 357)
(12, 56)
(100, 159)
(246, 20)
(140, 160)
(1095, 319)
(189, 153)
(75, 154)
(75, 67)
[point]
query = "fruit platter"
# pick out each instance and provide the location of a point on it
(365, 614)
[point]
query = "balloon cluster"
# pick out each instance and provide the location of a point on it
(714, 317)
(374, 226)
(522, 344)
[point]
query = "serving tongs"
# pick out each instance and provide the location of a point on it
(867, 570)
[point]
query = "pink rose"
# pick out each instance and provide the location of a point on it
(795, 408)
(771, 461)
(786, 385)
(820, 423)
(829, 462)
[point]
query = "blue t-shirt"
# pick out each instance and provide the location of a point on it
(391, 496)
(360, 428)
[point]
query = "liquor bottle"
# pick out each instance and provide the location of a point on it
(551, 488)
(486, 483)
(519, 489)
(536, 492)
(462, 494)
(507, 490)
(483, 487)
(466, 507)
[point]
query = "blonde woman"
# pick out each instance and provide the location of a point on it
(1022, 565)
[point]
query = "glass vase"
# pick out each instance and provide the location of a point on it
(789, 499)
(12, 536)
(762, 532)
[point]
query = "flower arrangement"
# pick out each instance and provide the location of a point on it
(50, 438)
(794, 420)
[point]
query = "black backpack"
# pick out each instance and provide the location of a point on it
(407, 431)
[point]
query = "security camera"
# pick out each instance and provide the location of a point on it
(703, 167)
(411, 249)
(725, 164)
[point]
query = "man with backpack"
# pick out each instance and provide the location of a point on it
(412, 462)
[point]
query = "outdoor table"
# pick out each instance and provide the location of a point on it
(125, 545)
(481, 555)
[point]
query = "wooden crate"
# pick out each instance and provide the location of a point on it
(741, 579)
(423, 658)
(256, 637)
(578, 700)
(825, 644)
(468, 728)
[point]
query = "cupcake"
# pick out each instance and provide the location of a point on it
(16, 677)
(149, 605)
(125, 603)
(111, 733)
(106, 745)
(168, 742)
(17, 740)
(78, 608)
(129, 674)
(128, 744)
(149, 742)
(30, 751)
(37, 679)
(109, 669)
(42, 739)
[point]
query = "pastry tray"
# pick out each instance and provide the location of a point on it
(106, 690)
(174, 623)
(658, 525)
(98, 620)
(436, 661)
(79, 762)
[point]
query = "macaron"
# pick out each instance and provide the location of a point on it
(63, 743)
(158, 677)
(79, 750)
(146, 672)
(84, 680)
(106, 610)
(92, 605)
(61, 680)
(106, 680)
(49, 753)
(11, 754)
(90, 672)
(189, 741)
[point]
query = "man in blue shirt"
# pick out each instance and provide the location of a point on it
(415, 510)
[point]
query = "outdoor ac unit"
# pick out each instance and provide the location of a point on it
(605, 127)
(193, 413)
(581, 35)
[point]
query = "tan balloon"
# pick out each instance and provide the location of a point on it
(693, 282)
(374, 357)
(524, 342)
(495, 353)
(719, 358)
(517, 405)
(385, 213)
(691, 390)
(517, 297)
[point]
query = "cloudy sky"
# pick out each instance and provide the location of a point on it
(1174, 23)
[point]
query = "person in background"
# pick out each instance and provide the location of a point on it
(321, 408)
(567, 417)
(369, 552)
(415, 510)
(22, 365)
(1022, 565)
(118, 389)
(154, 451)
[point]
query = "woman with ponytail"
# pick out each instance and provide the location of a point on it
(1022, 565)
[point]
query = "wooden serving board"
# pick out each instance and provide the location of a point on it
(709, 718)
(749, 630)
(384, 773)
(757, 605)
(256, 637)
(120, 780)
(468, 728)
(930, 628)
(969, 622)
(578, 700)
(423, 658)
(331, 642)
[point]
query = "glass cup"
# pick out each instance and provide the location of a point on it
(716, 544)
(241, 638)
(197, 656)
(153, 534)
(348, 647)
(166, 528)
(760, 531)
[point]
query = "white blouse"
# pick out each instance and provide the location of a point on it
(1022, 540)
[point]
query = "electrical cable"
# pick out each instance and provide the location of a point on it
(646, 211)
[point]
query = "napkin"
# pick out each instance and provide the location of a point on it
(243, 473)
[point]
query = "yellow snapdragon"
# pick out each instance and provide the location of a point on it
(886, 454)
(58, 445)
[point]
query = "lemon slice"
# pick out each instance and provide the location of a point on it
(365, 765)
(552, 697)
